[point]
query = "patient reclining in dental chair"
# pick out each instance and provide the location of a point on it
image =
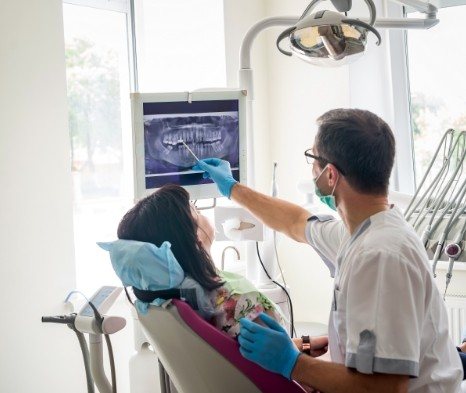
(165, 244)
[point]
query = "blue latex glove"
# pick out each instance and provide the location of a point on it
(270, 347)
(219, 171)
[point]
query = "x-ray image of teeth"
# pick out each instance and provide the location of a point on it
(206, 134)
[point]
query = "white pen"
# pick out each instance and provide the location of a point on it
(187, 147)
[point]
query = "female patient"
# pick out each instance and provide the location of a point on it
(167, 215)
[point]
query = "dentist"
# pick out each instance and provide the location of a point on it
(388, 327)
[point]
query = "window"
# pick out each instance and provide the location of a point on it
(436, 60)
(98, 86)
(180, 46)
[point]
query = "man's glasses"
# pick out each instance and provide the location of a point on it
(310, 158)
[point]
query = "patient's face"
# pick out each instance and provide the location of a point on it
(205, 230)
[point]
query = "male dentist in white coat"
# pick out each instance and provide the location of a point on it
(388, 328)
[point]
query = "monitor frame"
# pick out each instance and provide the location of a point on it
(201, 191)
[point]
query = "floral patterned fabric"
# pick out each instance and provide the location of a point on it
(237, 299)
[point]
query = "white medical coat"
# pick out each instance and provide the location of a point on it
(387, 314)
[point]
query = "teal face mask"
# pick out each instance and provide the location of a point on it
(328, 200)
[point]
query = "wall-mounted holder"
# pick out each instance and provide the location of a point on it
(237, 224)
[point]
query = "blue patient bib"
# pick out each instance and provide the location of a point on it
(148, 267)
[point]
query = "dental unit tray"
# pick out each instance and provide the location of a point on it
(171, 130)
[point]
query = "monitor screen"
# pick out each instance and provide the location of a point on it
(209, 126)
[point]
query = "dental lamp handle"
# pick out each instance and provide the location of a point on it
(360, 23)
(281, 37)
(342, 6)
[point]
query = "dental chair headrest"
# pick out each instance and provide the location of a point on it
(144, 265)
(150, 269)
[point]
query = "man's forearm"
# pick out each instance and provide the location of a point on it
(277, 214)
(336, 378)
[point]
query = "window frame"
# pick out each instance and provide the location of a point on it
(404, 175)
(405, 178)
(126, 7)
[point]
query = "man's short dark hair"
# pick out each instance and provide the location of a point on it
(361, 144)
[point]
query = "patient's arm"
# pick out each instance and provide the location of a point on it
(230, 308)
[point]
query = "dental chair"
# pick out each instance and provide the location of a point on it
(201, 359)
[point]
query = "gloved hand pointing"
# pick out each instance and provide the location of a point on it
(270, 347)
(219, 171)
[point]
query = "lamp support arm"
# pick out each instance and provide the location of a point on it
(252, 33)
(421, 6)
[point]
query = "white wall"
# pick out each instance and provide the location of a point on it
(298, 93)
(36, 242)
(240, 15)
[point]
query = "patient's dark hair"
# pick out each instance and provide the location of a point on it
(166, 215)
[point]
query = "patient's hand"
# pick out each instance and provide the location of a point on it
(299, 343)
(270, 313)
(463, 347)
(319, 345)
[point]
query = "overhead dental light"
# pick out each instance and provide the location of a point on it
(329, 38)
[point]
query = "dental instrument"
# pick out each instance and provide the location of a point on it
(443, 205)
(454, 217)
(434, 198)
(187, 147)
(441, 197)
(91, 320)
(417, 199)
(438, 210)
(274, 192)
(453, 251)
